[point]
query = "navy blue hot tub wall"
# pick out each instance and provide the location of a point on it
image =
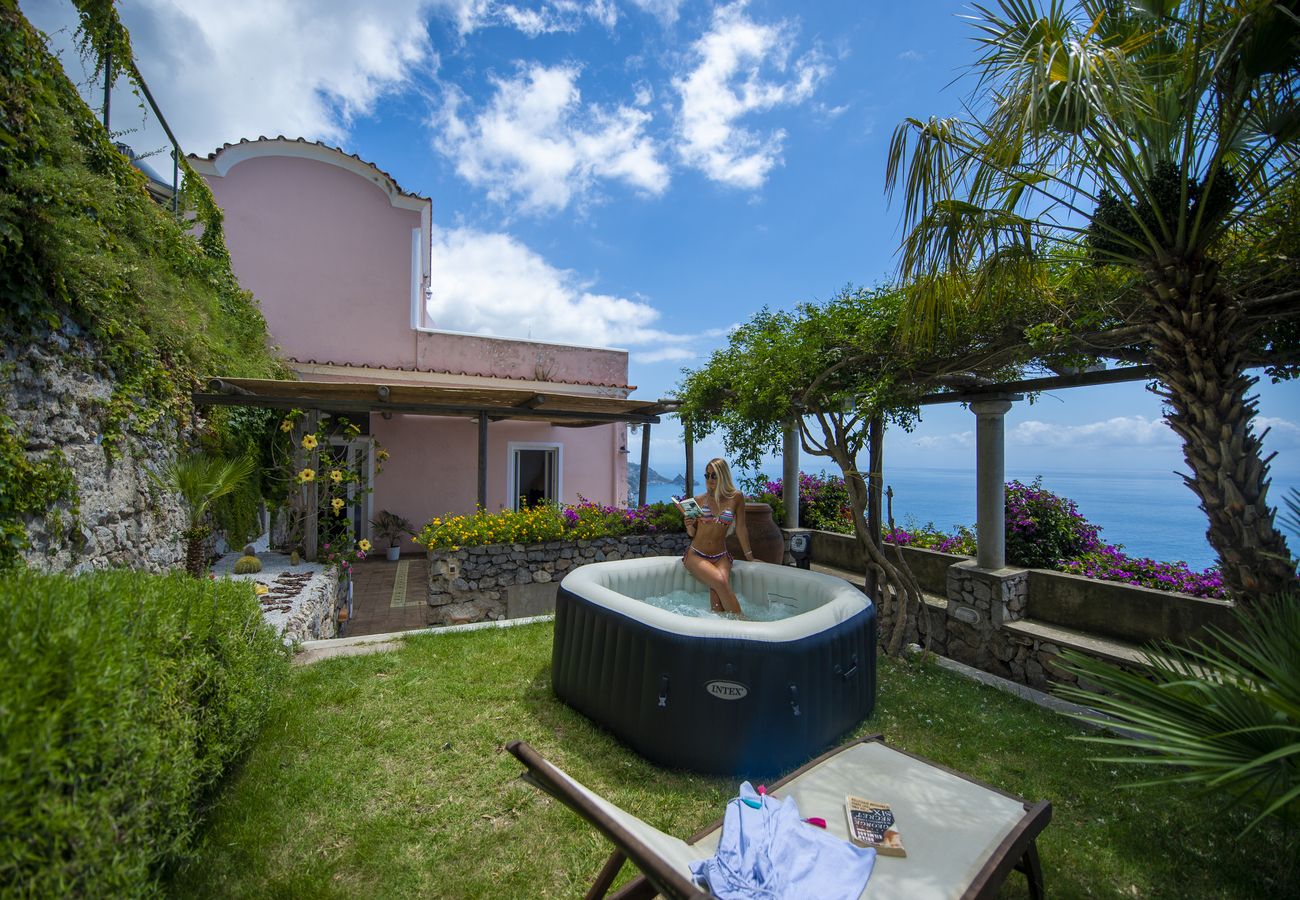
(723, 706)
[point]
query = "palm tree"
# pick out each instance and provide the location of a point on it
(200, 479)
(1145, 131)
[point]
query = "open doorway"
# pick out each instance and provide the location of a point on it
(534, 474)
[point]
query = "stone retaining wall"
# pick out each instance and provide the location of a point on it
(501, 581)
(56, 393)
(968, 609)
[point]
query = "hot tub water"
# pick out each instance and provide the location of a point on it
(771, 608)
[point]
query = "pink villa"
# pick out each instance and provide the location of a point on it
(337, 254)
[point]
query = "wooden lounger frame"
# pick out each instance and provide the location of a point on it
(1017, 851)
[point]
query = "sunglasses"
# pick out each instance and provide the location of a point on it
(710, 475)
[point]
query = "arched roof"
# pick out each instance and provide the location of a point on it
(227, 156)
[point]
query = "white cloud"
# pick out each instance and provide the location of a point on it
(228, 69)
(537, 140)
(960, 439)
(491, 283)
(664, 354)
(911, 56)
(1121, 431)
(666, 11)
(1282, 433)
(544, 18)
(729, 83)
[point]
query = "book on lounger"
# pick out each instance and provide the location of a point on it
(872, 824)
(690, 509)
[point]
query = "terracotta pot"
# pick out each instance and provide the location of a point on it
(765, 538)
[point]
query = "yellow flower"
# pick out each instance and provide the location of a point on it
(381, 455)
(309, 442)
(364, 545)
(338, 505)
(306, 475)
(336, 476)
(286, 426)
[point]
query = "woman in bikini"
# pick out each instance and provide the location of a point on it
(722, 505)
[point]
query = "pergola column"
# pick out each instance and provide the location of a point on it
(990, 480)
(645, 464)
(690, 459)
(790, 474)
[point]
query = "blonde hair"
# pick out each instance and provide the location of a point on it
(723, 486)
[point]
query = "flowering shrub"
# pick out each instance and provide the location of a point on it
(1110, 563)
(823, 500)
(1043, 528)
(582, 521)
(931, 538)
(1047, 532)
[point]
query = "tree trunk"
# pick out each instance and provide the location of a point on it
(1196, 341)
(195, 557)
(898, 592)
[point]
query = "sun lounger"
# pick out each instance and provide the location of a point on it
(962, 837)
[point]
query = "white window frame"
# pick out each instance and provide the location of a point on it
(512, 474)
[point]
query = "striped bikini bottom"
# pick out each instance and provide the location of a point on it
(711, 557)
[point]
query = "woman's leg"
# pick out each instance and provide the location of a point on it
(714, 574)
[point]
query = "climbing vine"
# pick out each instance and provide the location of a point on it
(31, 488)
(93, 271)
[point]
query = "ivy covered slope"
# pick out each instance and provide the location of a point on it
(86, 254)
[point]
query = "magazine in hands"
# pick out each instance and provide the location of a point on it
(872, 824)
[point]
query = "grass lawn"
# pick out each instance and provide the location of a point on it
(386, 776)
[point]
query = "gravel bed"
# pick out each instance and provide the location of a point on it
(300, 604)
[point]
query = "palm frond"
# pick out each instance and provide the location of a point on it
(1224, 714)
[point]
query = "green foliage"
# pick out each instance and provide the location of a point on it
(124, 697)
(28, 489)
(534, 525)
(84, 250)
(1118, 224)
(548, 522)
(307, 463)
(391, 527)
(1043, 528)
(833, 365)
(200, 479)
(1223, 715)
(237, 431)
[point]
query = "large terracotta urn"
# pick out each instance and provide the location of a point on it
(765, 538)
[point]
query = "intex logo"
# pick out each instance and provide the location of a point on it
(726, 690)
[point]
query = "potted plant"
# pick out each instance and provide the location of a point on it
(393, 527)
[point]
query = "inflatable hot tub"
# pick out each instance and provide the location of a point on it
(714, 694)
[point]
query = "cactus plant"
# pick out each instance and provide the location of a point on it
(247, 565)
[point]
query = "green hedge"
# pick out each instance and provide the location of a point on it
(123, 698)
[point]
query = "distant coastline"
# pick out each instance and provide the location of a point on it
(1152, 513)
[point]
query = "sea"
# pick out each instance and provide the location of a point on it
(1151, 514)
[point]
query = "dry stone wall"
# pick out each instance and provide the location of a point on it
(498, 581)
(56, 393)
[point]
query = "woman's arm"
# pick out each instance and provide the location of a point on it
(742, 530)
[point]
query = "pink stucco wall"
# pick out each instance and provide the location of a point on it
(433, 463)
(477, 355)
(327, 256)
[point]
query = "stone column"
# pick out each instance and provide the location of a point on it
(990, 478)
(790, 475)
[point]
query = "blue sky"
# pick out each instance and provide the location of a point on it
(633, 173)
